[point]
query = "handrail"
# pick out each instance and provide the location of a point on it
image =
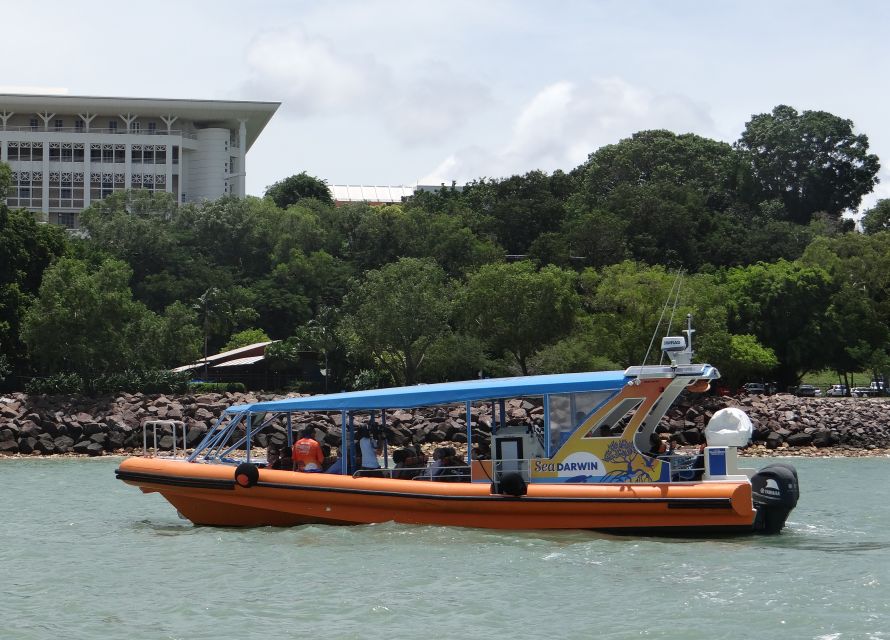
(154, 424)
(99, 130)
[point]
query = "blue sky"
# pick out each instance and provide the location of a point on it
(393, 92)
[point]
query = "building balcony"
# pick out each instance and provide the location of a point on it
(189, 135)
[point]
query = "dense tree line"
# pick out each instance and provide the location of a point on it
(531, 273)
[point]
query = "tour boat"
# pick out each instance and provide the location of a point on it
(585, 462)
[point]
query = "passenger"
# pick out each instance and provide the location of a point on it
(368, 448)
(436, 467)
(454, 467)
(398, 457)
(336, 466)
(657, 446)
(273, 456)
(413, 463)
(307, 452)
(328, 458)
(285, 461)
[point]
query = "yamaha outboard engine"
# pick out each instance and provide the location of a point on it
(775, 492)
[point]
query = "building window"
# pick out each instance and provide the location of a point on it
(78, 124)
(68, 219)
(105, 183)
(33, 124)
(152, 127)
(112, 126)
(60, 124)
(136, 127)
(175, 155)
(25, 152)
(27, 190)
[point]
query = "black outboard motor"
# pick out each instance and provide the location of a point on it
(775, 491)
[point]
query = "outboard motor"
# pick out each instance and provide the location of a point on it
(775, 491)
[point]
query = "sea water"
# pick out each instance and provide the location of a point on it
(83, 555)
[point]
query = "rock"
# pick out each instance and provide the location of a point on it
(9, 446)
(94, 449)
(63, 444)
(82, 447)
(799, 439)
(27, 445)
(773, 441)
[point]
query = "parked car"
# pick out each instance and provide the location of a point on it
(837, 391)
(807, 391)
(754, 388)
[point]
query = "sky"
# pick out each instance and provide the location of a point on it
(392, 92)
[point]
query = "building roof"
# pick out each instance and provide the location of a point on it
(445, 393)
(365, 193)
(239, 362)
(256, 350)
(220, 113)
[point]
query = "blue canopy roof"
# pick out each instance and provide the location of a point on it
(445, 393)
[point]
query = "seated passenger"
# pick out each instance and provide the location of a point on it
(453, 467)
(657, 446)
(336, 466)
(273, 456)
(307, 452)
(482, 451)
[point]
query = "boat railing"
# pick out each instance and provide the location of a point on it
(176, 427)
(457, 473)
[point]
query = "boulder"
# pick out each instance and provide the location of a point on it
(63, 444)
(773, 440)
(799, 440)
(27, 445)
(9, 446)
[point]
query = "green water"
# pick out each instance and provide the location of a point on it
(83, 555)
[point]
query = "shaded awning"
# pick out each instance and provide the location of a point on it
(445, 393)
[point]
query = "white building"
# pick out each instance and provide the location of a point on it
(67, 151)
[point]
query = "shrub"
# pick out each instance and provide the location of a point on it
(55, 384)
(217, 387)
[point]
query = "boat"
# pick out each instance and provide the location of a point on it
(585, 463)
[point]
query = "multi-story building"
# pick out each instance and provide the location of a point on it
(68, 151)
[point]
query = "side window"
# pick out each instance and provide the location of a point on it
(616, 420)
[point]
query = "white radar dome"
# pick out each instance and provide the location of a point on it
(730, 427)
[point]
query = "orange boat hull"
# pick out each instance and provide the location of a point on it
(207, 494)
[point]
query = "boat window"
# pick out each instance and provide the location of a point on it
(616, 420)
(569, 410)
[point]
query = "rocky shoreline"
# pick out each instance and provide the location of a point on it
(69, 425)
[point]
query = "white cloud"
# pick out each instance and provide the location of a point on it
(33, 90)
(566, 121)
(310, 75)
(313, 77)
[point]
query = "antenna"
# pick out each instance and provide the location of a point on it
(674, 285)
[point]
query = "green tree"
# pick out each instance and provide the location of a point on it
(812, 161)
(220, 311)
(518, 309)
(877, 218)
(396, 312)
(289, 191)
(85, 321)
(179, 336)
(245, 338)
(747, 359)
(784, 305)
(858, 308)
(135, 226)
(26, 250)
(713, 170)
(516, 210)
(632, 305)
